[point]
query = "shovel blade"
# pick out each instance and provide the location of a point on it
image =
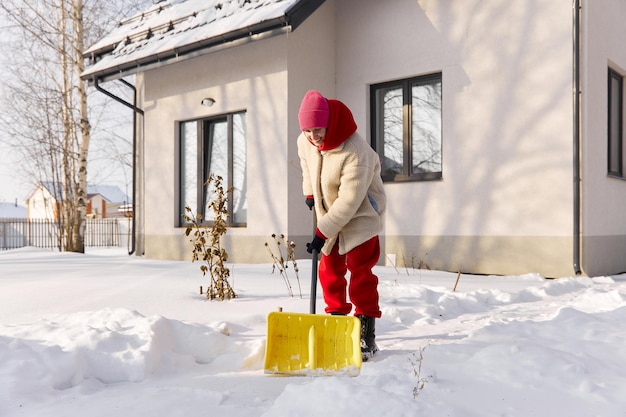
(312, 344)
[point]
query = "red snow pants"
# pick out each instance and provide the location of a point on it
(363, 286)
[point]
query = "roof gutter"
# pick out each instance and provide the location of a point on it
(199, 48)
(286, 23)
(136, 111)
(577, 139)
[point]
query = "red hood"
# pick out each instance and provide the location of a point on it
(341, 125)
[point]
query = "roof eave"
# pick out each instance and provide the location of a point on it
(300, 11)
(282, 24)
(204, 47)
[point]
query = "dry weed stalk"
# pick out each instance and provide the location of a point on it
(281, 260)
(206, 240)
(416, 362)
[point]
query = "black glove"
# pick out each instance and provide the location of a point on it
(316, 244)
(310, 202)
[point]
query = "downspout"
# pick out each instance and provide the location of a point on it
(577, 139)
(136, 110)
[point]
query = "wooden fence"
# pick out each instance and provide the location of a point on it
(43, 233)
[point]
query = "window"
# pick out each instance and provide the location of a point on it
(406, 128)
(216, 145)
(615, 125)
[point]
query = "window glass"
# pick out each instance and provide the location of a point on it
(391, 133)
(406, 130)
(426, 127)
(214, 146)
(189, 165)
(615, 157)
(239, 200)
(216, 161)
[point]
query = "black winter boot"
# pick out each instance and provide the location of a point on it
(368, 337)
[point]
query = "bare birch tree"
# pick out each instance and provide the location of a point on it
(48, 117)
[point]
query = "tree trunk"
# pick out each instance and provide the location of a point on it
(48, 115)
(85, 127)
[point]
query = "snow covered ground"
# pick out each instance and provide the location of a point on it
(107, 334)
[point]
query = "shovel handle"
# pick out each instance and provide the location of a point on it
(315, 254)
(313, 280)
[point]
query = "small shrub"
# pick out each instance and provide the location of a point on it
(206, 241)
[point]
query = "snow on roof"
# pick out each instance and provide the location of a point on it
(12, 211)
(112, 193)
(173, 28)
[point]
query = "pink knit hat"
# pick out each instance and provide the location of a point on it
(314, 111)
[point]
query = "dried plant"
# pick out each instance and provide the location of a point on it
(281, 260)
(206, 240)
(416, 361)
(415, 264)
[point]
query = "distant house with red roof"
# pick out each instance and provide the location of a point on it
(103, 201)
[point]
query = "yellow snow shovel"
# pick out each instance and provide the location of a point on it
(313, 344)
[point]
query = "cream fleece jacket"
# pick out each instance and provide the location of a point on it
(348, 191)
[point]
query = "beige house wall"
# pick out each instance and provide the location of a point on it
(603, 214)
(505, 204)
(256, 78)
(505, 201)
(40, 204)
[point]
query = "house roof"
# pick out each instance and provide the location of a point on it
(175, 30)
(54, 189)
(12, 211)
(111, 193)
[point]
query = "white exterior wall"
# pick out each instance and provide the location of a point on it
(41, 204)
(243, 78)
(604, 217)
(311, 67)
(97, 204)
(505, 201)
(253, 77)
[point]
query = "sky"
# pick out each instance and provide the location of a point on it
(13, 186)
(104, 333)
(10, 187)
(102, 169)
